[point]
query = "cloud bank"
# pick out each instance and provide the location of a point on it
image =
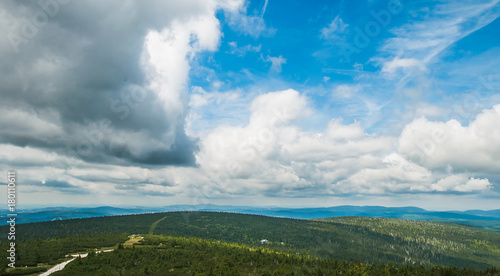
(97, 100)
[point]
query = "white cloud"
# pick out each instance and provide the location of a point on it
(253, 25)
(211, 109)
(264, 8)
(168, 54)
(242, 51)
(276, 108)
(271, 150)
(334, 30)
(346, 91)
(269, 156)
(231, 5)
(460, 183)
(393, 174)
(437, 145)
(270, 113)
(418, 44)
(264, 151)
(407, 64)
(421, 40)
(275, 157)
(201, 97)
(473, 185)
(425, 110)
(276, 62)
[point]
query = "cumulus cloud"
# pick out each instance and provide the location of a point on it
(105, 82)
(473, 185)
(460, 183)
(99, 97)
(439, 145)
(228, 145)
(268, 156)
(271, 155)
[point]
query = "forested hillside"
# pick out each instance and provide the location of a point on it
(366, 240)
(163, 255)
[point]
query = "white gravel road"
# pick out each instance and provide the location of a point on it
(63, 264)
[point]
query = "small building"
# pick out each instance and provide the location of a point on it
(264, 241)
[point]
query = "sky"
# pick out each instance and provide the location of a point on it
(258, 103)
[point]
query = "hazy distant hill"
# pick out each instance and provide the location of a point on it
(485, 219)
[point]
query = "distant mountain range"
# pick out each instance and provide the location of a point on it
(480, 218)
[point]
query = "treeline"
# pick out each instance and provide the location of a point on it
(161, 255)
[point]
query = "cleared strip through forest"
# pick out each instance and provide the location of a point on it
(153, 225)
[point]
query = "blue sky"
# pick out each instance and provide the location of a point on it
(314, 40)
(253, 102)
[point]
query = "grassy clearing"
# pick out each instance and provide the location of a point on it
(134, 239)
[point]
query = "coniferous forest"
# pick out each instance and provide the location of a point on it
(207, 243)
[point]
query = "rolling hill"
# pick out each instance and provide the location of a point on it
(479, 218)
(368, 240)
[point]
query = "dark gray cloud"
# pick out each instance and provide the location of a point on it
(64, 77)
